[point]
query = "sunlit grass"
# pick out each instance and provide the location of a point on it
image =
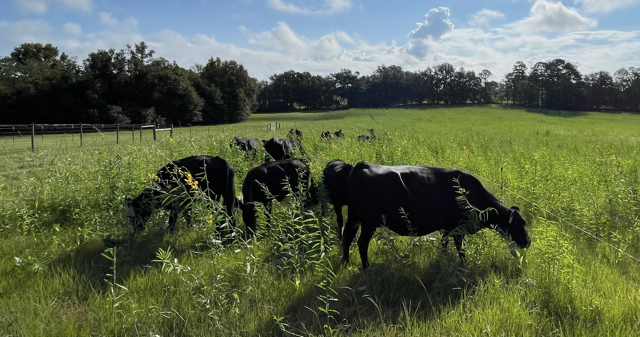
(62, 206)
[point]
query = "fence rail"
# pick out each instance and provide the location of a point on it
(20, 131)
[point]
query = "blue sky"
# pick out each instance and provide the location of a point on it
(323, 36)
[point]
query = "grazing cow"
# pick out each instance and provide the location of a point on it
(418, 200)
(248, 145)
(339, 133)
(366, 137)
(326, 135)
(273, 175)
(279, 148)
(178, 181)
(295, 133)
(335, 178)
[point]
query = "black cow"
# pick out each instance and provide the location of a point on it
(274, 176)
(326, 135)
(295, 133)
(365, 137)
(418, 200)
(179, 180)
(279, 148)
(248, 145)
(335, 178)
(339, 133)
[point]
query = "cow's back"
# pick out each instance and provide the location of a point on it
(273, 175)
(425, 194)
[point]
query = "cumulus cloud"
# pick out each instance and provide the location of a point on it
(283, 39)
(483, 17)
(107, 20)
(437, 23)
(605, 6)
(327, 7)
(552, 17)
(72, 28)
(42, 6)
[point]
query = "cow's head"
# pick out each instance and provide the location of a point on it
(513, 227)
(138, 212)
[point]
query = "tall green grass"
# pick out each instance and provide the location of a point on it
(62, 208)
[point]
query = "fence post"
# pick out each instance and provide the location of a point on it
(118, 133)
(190, 131)
(155, 126)
(171, 131)
(33, 135)
(80, 134)
(133, 133)
(42, 130)
(141, 133)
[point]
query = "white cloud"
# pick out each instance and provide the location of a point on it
(327, 7)
(107, 20)
(483, 17)
(283, 39)
(436, 25)
(72, 28)
(42, 6)
(605, 6)
(552, 17)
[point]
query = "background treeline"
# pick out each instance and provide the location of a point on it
(555, 84)
(40, 84)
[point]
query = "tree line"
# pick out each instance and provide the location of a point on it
(40, 84)
(556, 84)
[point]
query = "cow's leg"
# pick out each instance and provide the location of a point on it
(458, 239)
(173, 218)
(339, 219)
(350, 231)
(187, 215)
(444, 240)
(363, 245)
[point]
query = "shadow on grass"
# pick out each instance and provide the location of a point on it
(383, 294)
(547, 112)
(132, 254)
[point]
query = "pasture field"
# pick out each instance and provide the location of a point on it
(69, 266)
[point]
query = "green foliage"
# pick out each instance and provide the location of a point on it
(62, 222)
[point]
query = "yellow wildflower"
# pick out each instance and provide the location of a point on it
(535, 156)
(526, 167)
(171, 140)
(613, 158)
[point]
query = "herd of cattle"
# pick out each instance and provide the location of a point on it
(409, 200)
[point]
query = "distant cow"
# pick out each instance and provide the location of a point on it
(177, 182)
(335, 178)
(295, 133)
(326, 135)
(339, 133)
(279, 148)
(372, 136)
(418, 200)
(249, 145)
(273, 175)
